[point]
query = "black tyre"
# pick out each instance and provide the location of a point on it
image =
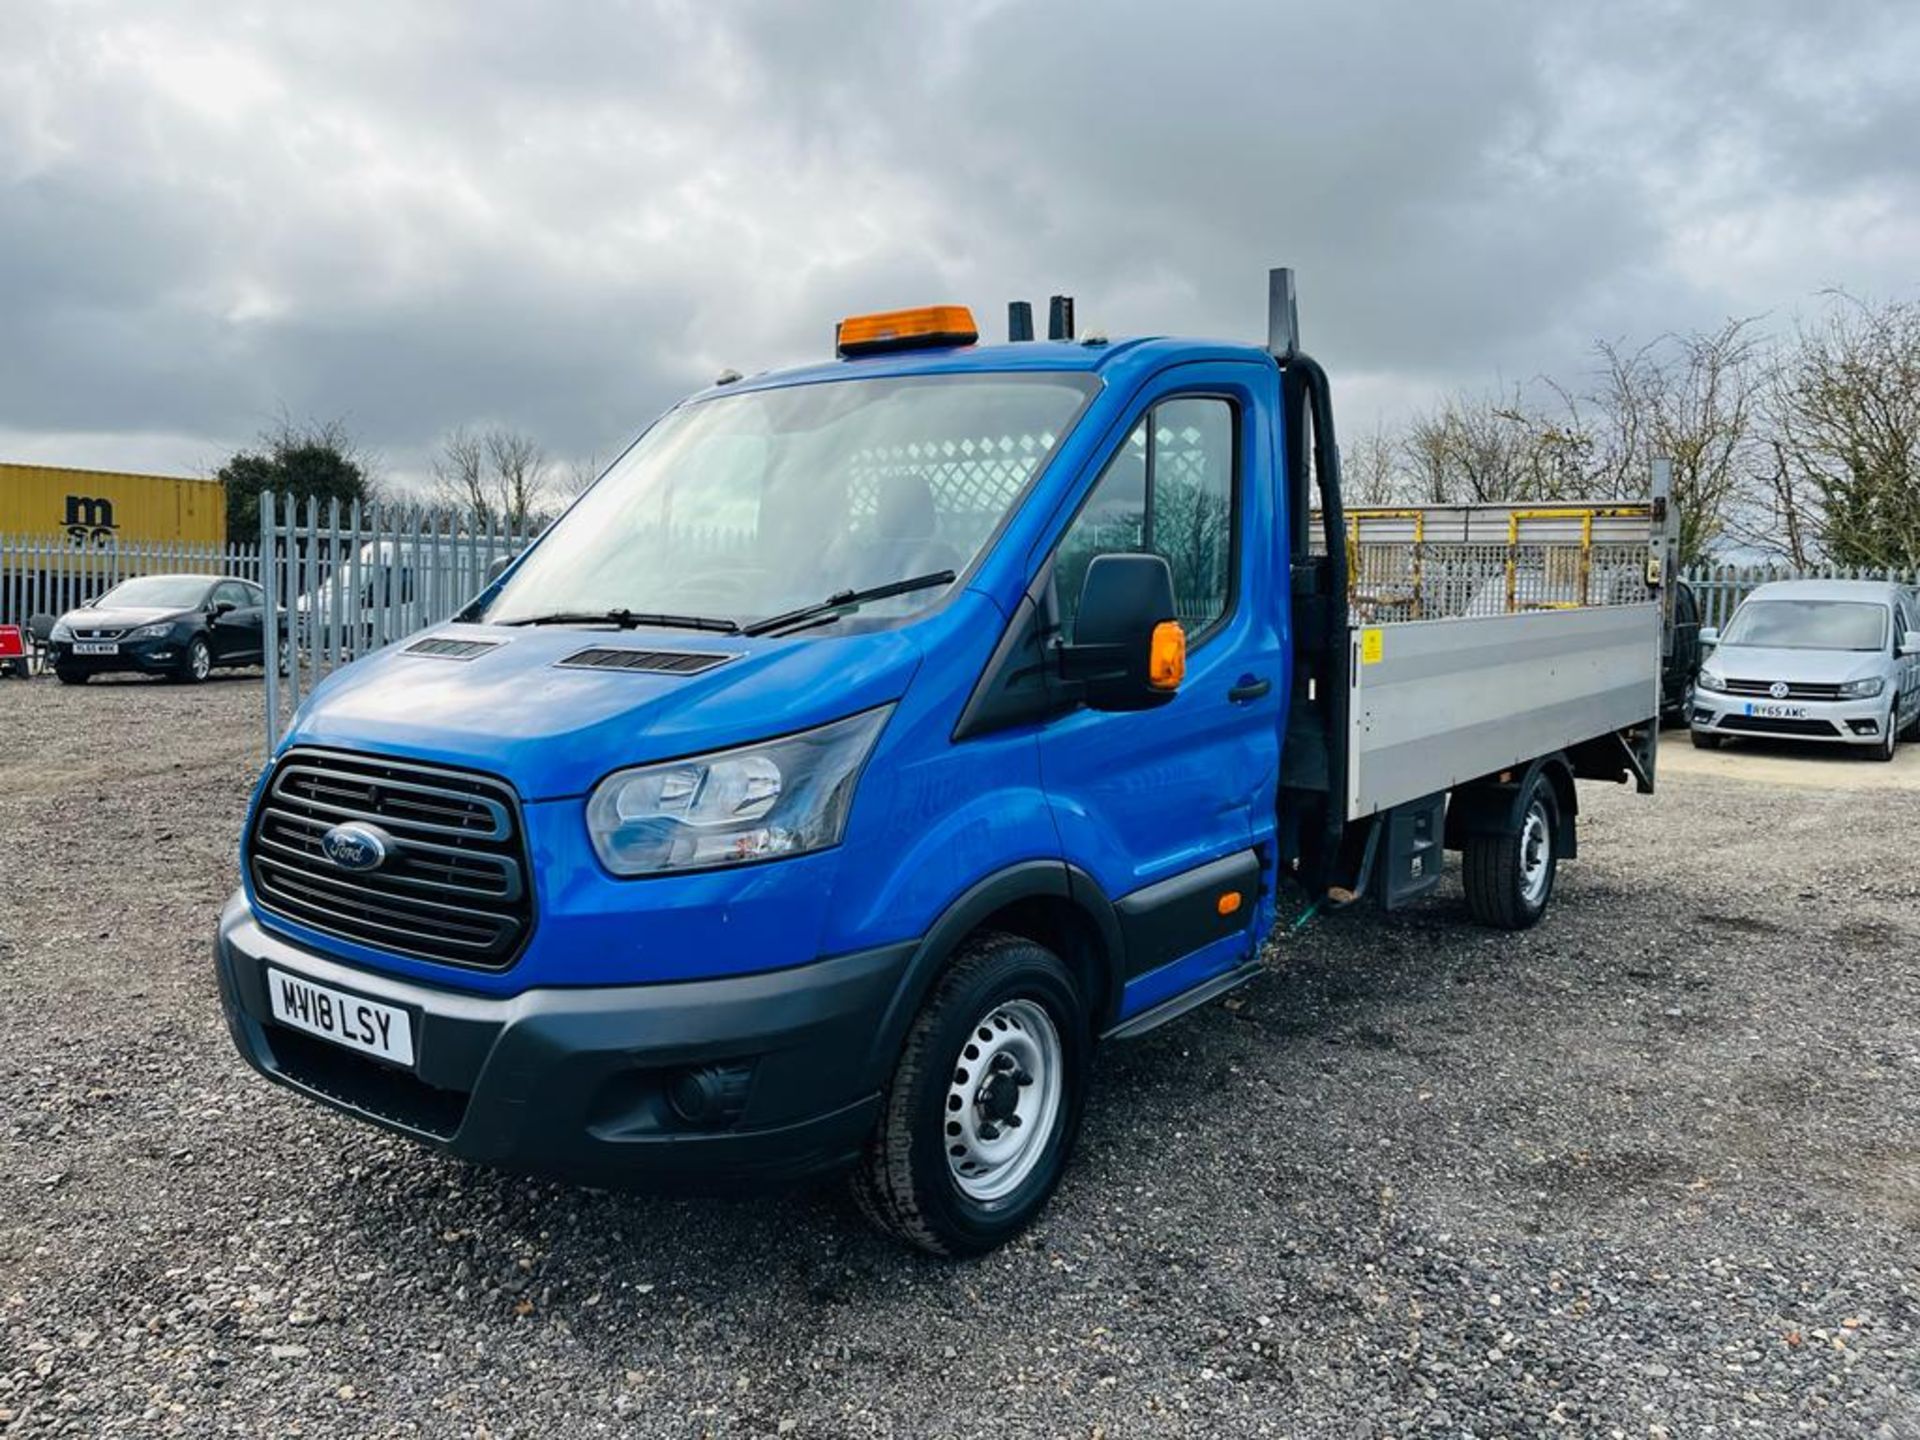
(985, 1104)
(1890, 740)
(68, 675)
(196, 664)
(1509, 876)
(1703, 741)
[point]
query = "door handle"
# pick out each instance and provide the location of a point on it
(1250, 687)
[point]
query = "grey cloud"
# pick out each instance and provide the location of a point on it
(561, 218)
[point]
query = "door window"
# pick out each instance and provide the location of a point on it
(232, 592)
(1169, 491)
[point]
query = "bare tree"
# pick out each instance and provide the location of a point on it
(1516, 446)
(460, 474)
(579, 475)
(518, 468)
(1372, 468)
(495, 476)
(1696, 399)
(1845, 407)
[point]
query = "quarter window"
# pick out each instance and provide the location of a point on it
(1168, 491)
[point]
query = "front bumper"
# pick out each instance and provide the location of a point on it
(1837, 722)
(575, 1082)
(147, 657)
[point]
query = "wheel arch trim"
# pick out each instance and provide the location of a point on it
(1051, 881)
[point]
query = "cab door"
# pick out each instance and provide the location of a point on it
(1167, 810)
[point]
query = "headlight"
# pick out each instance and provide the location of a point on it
(151, 632)
(61, 631)
(1862, 689)
(784, 797)
(1708, 680)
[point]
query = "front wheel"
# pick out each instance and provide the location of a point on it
(1890, 738)
(1703, 741)
(985, 1103)
(1509, 873)
(69, 675)
(197, 663)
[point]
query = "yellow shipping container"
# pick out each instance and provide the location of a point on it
(99, 507)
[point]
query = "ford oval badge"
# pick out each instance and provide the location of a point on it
(355, 847)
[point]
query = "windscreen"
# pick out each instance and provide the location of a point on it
(1809, 625)
(156, 592)
(752, 504)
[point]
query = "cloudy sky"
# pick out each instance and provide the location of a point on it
(560, 217)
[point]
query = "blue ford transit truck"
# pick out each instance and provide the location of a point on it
(875, 739)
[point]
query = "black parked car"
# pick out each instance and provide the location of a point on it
(1679, 667)
(177, 626)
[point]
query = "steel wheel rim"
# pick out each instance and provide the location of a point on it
(1003, 1099)
(200, 659)
(1536, 854)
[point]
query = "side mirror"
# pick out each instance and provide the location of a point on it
(1128, 651)
(1709, 635)
(1910, 643)
(221, 607)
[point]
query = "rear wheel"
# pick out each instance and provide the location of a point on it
(1509, 873)
(1703, 741)
(985, 1103)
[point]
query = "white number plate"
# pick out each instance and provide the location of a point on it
(349, 1020)
(95, 647)
(1777, 712)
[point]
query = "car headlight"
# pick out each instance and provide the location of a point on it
(61, 631)
(151, 632)
(1862, 689)
(759, 802)
(1708, 680)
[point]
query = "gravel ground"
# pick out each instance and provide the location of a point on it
(1650, 1170)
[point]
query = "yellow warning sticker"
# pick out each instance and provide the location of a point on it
(1372, 645)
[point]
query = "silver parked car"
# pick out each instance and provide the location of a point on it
(1833, 660)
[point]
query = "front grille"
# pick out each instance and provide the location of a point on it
(96, 633)
(453, 886)
(1775, 725)
(652, 662)
(1764, 689)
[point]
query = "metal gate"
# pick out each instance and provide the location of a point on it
(344, 580)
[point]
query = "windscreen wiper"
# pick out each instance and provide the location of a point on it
(632, 620)
(831, 607)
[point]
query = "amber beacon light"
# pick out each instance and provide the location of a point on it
(927, 327)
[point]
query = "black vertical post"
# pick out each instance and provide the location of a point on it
(1060, 318)
(1019, 320)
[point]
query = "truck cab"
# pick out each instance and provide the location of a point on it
(868, 744)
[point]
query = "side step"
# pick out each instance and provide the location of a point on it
(1178, 1005)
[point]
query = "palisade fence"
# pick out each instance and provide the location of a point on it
(344, 580)
(50, 575)
(1721, 588)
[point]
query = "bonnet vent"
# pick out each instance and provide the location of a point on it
(444, 649)
(651, 662)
